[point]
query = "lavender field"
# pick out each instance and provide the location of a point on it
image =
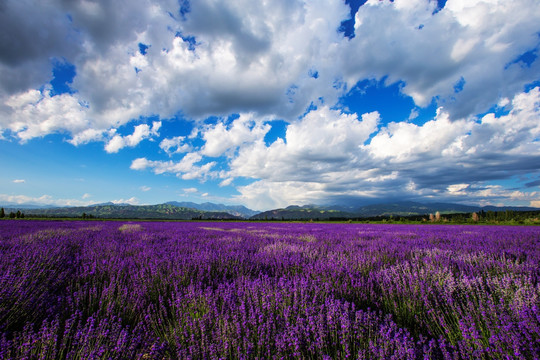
(201, 290)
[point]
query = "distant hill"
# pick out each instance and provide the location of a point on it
(124, 211)
(405, 208)
(189, 210)
(302, 213)
(510, 208)
(236, 210)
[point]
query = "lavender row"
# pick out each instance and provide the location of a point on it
(151, 290)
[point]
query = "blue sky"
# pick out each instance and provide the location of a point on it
(270, 104)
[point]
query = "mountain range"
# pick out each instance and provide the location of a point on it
(189, 210)
(126, 211)
(403, 208)
(236, 210)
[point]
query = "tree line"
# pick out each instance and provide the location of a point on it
(509, 217)
(481, 217)
(11, 215)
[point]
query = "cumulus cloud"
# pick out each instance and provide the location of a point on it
(140, 133)
(199, 69)
(219, 138)
(243, 45)
(493, 194)
(86, 136)
(19, 181)
(344, 156)
(185, 169)
(41, 200)
(32, 34)
(405, 142)
(320, 146)
(457, 189)
(175, 145)
(329, 155)
(130, 201)
(265, 194)
(226, 182)
(214, 59)
(100, 39)
(464, 55)
(35, 113)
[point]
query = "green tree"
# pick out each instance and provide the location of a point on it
(12, 215)
(18, 214)
(2, 213)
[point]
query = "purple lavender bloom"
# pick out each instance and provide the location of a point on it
(168, 290)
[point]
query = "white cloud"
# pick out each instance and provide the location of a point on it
(22, 199)
(320, 152)
(401, 141)
(19, 181)
(229, 49)
(41, 200)
(414, 114)
(145, 188)
(226, 182)
(160, 167)
(86, 136)
(242, 46)
(476, 41)
(130, 201)
(175, 145)
(324, 143)
(140, 164)
(334, 159)
(140, 133)
(493, 194)
(265, 194)
(198, 172)
(185, 168)
(35, 113)
(457, 189)
(190, 190)
(220, 139)
(86, 196)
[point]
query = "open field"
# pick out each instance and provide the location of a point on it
(157, 290)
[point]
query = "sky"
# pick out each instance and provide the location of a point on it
(269, 103)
